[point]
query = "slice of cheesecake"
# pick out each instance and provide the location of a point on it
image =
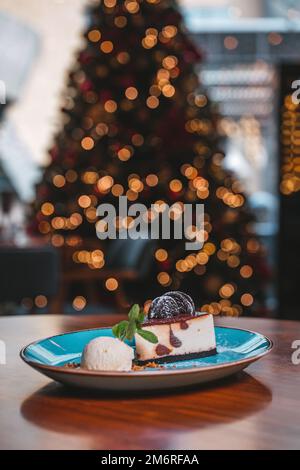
(180, 338)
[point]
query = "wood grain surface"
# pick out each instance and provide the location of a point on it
(257, 409)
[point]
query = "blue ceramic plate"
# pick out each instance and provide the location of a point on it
(236, 350)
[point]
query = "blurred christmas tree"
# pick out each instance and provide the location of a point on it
(136, 123)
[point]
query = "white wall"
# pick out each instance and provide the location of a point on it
(58, 24)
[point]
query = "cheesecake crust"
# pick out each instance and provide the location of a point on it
(178, 357)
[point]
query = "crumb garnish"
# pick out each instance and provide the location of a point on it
(149, 365)
(72, 365)
(135, 367)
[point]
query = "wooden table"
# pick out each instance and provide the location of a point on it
(258, 409)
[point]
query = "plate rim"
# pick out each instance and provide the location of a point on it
(142, 373)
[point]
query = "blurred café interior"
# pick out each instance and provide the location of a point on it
(70, 70)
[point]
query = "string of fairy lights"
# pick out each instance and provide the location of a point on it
(79, 189)
(290, 147)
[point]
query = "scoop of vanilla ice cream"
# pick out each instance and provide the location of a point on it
(106, 353)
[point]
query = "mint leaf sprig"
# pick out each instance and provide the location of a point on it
(126, 329)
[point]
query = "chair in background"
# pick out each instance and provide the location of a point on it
(128, 261)
(27, 273)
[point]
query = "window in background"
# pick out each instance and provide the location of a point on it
(246, 98)
(244, 44)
